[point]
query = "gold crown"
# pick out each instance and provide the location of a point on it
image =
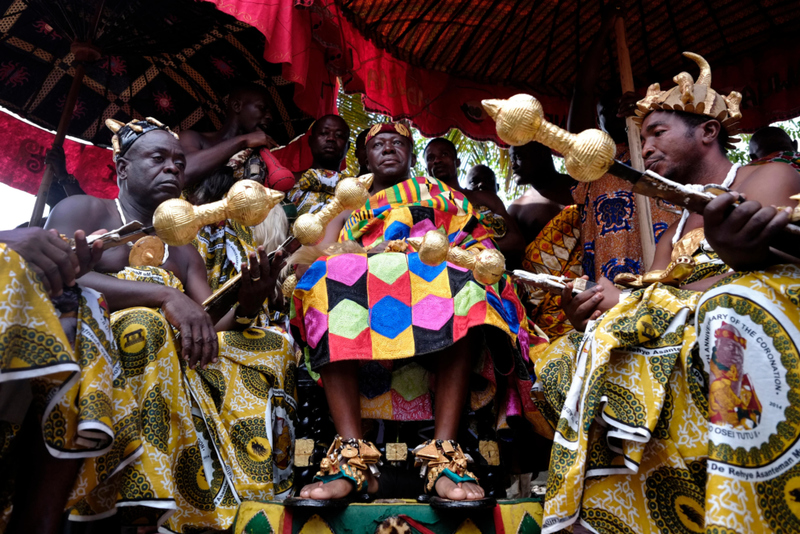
(695, 97)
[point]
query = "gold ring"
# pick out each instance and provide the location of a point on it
(255, 279)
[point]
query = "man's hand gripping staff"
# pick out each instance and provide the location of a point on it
(590, 154)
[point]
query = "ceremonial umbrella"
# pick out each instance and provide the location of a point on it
(430, 60)
(537, 47)
(70, 64)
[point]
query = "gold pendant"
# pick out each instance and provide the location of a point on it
(147, 252)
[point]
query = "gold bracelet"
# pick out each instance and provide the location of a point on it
(244, 319)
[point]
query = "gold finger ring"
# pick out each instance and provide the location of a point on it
(255, 279)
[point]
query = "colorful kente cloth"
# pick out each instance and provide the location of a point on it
(212, 437)
(610, 225)
(389, 306)
(789, 157)
(556, 251)
(747, 340)
(628, 402)
(313, 190)
(79, 394)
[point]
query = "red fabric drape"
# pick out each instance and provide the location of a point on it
(288, 32)
(22, 160)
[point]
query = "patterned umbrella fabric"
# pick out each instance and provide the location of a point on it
(175, 61)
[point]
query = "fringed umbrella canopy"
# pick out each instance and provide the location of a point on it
(537, 45)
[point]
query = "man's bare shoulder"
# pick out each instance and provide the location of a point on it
(532, 196)
(771, 183)
(83, 205)
(83, 212)
(191, 139)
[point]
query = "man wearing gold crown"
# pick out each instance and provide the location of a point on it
(215, 396)
(634, 448)
(370, 308)
(61, 396)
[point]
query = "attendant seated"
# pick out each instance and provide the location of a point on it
(654, 388)
(226, 245)
(549, 192)
(216, 396)
(441, 159)
(60, 401)
(774, 144)
(382, 322)
(329, 141)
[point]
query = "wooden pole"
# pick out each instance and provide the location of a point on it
(83, 52)
(635, 148)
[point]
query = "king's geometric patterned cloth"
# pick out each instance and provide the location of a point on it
(390, 306)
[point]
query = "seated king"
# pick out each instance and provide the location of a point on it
(215, 395)
(370, 306)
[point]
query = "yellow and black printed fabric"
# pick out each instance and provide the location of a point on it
(79, 392)
(212, 437)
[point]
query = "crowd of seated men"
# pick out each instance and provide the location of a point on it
(121, 394)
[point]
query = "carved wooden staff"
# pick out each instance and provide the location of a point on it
(635, 148)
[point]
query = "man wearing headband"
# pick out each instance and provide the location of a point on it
(248, 117)
(204, 385)
(370, 301)
(329, 140)
(632, 416)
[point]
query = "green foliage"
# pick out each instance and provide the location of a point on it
(471, 152)
(741, 153)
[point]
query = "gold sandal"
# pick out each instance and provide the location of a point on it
(437, 458)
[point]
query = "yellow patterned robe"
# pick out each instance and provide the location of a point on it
(212, 437)
(79, 393)
(314, 190)
(628, 401)
(753, 461)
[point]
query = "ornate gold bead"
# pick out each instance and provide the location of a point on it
(177, 221)
(350, 194)
(433, 248)
(520, 120)
(489, 266)
(147, 251)
(288, 285)
(249, 202)
(591, 155)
